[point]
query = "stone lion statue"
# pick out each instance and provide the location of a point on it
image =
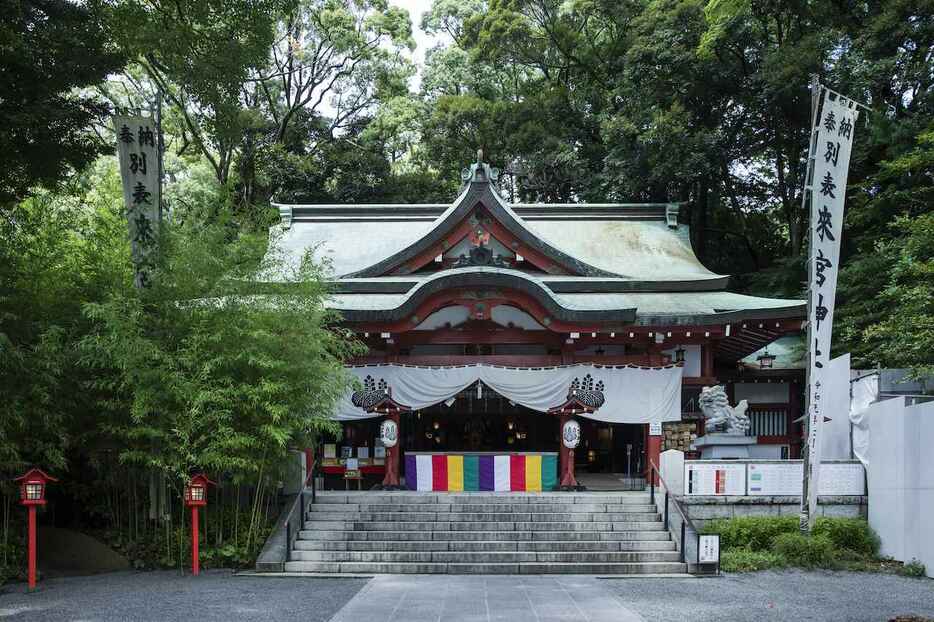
(718, 413)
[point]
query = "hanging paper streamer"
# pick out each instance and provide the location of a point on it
(471, 472)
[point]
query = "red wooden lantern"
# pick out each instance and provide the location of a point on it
(196, 495)
(32, 487)
(32, 495)
(196, 492)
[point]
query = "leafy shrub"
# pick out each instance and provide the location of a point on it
(848, 534)
(914, 568)
(754, 533)
(805, 551)
(744, 560)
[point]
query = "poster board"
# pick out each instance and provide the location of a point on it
(780, 478)
(842, 478)
(714, 478)
(708, 550)
(775, 478)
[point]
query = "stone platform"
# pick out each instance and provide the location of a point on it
(484, 533)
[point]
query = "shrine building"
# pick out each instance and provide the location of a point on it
(526, 346)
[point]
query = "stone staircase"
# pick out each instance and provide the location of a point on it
(484, 533)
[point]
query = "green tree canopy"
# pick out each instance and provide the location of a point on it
(48, 50)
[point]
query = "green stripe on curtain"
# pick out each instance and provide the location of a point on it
(471, 473)
(549, 472)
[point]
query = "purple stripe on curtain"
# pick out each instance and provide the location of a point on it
(486, 472)
(411, 474)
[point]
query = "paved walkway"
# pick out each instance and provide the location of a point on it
(427, 598)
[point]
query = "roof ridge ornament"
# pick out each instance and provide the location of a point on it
(480, 172)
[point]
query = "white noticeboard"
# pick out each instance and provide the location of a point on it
(655, 428)
(714, 478)
(775, 478)
(708, 551)
(842, 478)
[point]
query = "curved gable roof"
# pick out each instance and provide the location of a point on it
(635, 243)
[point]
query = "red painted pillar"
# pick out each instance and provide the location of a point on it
(195, 566)
(31, 573)
(653, 451)
(566, 456)
(391, 478)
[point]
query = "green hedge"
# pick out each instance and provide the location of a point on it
(759, 542)
(850, 534)
(754, 533)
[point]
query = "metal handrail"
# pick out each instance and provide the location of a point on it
(685, 519)
(299, 502)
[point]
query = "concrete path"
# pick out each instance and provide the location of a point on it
(512, 598)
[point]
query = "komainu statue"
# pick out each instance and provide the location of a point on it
(718, 413)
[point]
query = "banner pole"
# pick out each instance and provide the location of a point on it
(804, 517)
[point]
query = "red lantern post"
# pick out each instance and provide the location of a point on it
(32, 495)
(196, 495)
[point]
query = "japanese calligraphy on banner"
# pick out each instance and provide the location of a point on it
(138, 151)
(831, 154)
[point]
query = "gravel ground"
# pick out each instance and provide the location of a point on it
(786, 596)
(790, 596)
(166, 596)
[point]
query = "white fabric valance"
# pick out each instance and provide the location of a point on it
(625, 394)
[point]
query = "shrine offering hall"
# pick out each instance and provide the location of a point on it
(526, 347)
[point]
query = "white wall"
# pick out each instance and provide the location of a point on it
(692, 359)
(762, 392)
(901, 479)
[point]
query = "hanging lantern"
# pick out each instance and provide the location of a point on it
(389, 433)
(571, 433)
(766, 360)
(679, 354)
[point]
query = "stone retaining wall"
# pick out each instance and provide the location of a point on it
(702, 510)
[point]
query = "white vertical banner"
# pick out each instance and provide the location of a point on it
(138, 152)
(835, 127)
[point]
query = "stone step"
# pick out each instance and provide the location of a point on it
(488, 568)
(480, 508)
(485, 536)
(486, 498)
(486, 557)
(607, 546)
(483, 526)
(463, 517)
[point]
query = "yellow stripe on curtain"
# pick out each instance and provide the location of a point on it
(533, 473)
(455, 473)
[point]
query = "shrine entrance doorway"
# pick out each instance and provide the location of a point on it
(611, 456)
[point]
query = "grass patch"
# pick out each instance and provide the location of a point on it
(805, 551)
(744, 560)
(914, 568)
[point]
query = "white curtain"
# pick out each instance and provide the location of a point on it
(629, 394)
(865, 392)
